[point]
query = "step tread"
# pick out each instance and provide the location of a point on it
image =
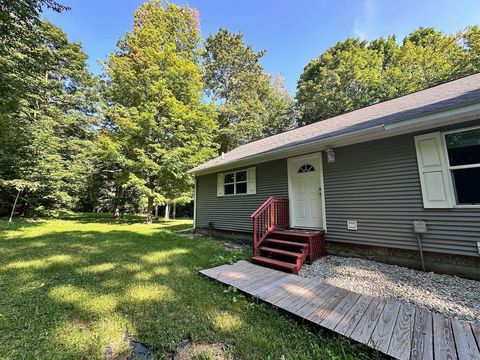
(269, 261)
(282, 252)
(286, 242)
(303, 234)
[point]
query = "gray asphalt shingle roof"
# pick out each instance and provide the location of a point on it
(449, 95)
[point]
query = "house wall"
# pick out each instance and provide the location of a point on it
(377, 183)
(232, 213)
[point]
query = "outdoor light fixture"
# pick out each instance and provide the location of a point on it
(330, 155)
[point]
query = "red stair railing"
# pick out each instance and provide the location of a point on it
(271, 214)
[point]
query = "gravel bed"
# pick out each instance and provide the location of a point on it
(446, 294)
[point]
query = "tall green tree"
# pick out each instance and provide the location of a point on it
(355, 73)
(156, 123)
(19, 17)
(248, 100)
(48, 130)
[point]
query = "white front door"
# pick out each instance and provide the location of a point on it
(305, 191)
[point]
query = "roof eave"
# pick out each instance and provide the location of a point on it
(437, 119)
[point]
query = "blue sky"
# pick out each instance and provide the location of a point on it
(293, 32)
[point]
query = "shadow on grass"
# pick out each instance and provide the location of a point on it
(78, 290)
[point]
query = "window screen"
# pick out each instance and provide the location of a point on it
(463, 150)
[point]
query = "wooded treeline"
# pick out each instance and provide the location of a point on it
(168, 101)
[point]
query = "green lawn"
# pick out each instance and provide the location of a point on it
(75, 288)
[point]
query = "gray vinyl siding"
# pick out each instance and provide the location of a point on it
(377, 183)
(232, 213)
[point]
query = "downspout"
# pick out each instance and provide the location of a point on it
(195, 204)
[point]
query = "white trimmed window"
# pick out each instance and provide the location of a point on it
(449, 167)
(463, 152)
(241, 182)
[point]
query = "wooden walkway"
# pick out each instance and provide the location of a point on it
(401, 330)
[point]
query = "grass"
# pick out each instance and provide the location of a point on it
(81, 288)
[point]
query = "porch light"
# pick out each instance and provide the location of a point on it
(330, 155)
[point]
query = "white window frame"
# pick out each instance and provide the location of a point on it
(457, 167)
(235, 182)
(251, 182)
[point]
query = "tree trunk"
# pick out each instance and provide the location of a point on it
(167, 211)
(156, 211)
(174, 213)
(14, 205)
(149, 218)
(116, 203)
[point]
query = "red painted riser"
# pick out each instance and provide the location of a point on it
(277, 246)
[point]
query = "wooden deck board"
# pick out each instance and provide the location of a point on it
(383, 331)
(320, 313)
(403, 331)
(422, 338)
(476, 333)
(443, 342)
(353, 316)
(364, 329)
(464, 340)
(316, 302)
(338, 313)
(401, 340)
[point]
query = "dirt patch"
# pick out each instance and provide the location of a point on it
(203, 351)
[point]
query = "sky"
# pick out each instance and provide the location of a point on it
(293, 32)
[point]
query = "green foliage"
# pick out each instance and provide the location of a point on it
(20, 15)
(354, 73)
(250, 103)
(157, 126)
(72, 289)
(47, 117)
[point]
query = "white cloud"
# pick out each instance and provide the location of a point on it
(365, 23)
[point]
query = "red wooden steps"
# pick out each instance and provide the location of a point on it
(296, 236)
(281, 252)
(277, 264)
(286, 249)
(286, 243)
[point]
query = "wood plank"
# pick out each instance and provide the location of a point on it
(299, 298)
(353, 316)
(464, 340)
(212, 271)
(443, 343)
(319, 314)
(316, 302)
(401, 340)
(476, 333)
(365, 327)
(287, 290)
(276, 294)
(262, 281)
(339, 312)
(270, 291)
(383, 331)
(422, 338)
(264, 291)
(241, 278)
(225, 273)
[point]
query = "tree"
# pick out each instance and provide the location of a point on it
(20, 186)
(343, 78)
(19, 17)
(48, 127)
(354, 73)
(247, 99)
(156, 123)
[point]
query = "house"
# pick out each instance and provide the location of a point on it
(362, 179)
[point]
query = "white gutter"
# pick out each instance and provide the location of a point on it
(438, 119)
(195, 204)
(414, 122)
